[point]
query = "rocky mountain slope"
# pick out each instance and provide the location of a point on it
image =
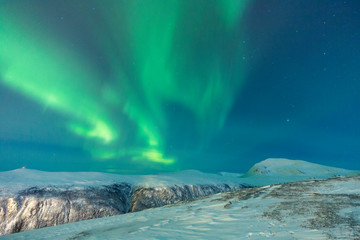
(312, 209)
(31, 199)
(43, 200)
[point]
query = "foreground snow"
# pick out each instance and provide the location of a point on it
(314, 209)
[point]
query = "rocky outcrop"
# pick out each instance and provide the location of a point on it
(35, 207)
(42, 207)
(144, 198)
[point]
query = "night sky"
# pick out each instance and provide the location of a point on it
(149, 86)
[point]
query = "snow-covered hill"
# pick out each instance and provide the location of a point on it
(31, 199)
(280, 170)
(286, 167)
(313, 209)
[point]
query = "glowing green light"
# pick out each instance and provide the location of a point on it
(154, 155)
(232, 10)
(148, 155)
(151, 59)
(100, 130)
(52, 76)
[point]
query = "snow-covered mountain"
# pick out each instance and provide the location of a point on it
(31, 199)
(293, 168)
(313, 209)
(280, 170)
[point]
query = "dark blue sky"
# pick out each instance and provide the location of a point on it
(118, 87)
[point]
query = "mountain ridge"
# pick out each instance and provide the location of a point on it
(31, 199)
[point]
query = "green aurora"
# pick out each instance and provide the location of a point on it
(154, 55)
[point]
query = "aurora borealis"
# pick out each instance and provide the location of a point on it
(147, 86)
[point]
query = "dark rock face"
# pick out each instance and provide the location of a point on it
(42, 207)
(144, 198)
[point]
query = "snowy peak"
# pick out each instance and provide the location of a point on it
(273, 167)
(280, 170)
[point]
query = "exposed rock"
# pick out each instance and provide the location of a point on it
(42, 207)
(35, 207)
(144, 198)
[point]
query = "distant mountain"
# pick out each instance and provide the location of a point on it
(31, 199)
(293, 168)
(280, 170)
